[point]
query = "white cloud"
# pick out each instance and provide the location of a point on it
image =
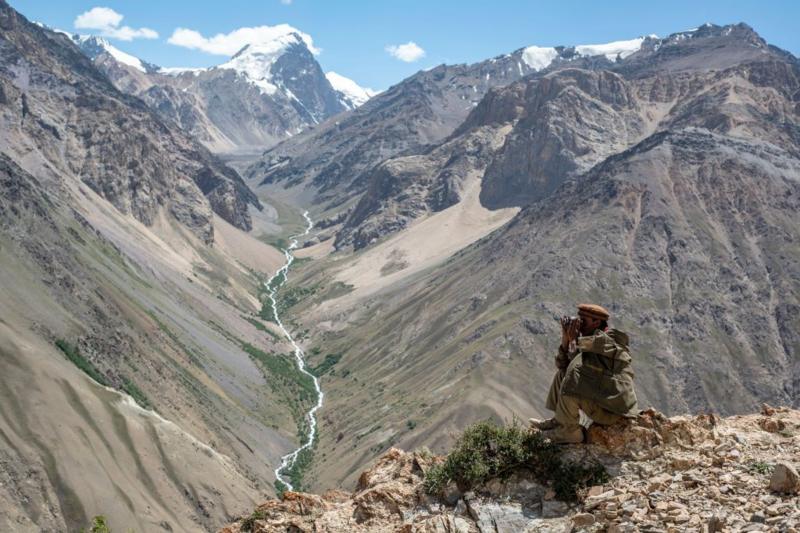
(106, 22)
(408, 52)
(227, 44)
(286, 2)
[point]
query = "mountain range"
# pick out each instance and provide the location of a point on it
(265, 93)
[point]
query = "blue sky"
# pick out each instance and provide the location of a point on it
(354, 34)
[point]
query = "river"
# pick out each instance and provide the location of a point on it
(288, 460)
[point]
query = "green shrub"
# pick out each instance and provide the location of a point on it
(136, 393)
(99, 525)
(330, 360)
(486, 450)
(74, 354)
(280, 487)
(249, 523)
(759, 467)
(260, 325)
(284, 367)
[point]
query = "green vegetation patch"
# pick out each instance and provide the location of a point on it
(760, 467)
(136, 393)
(261, 327)
(326, 365)
(99, 525)
(74, 354)
(487, 450)
(280, 487)
(284, 299)
(275, 241)
(335, 290)
(297, 471)
(294, 387)
(285, 369)
(292, 296)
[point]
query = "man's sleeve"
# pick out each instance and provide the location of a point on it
(562, 359)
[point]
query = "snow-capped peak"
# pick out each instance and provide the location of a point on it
(352, 95)
(255, 60)
(94, 46)
(540, 57)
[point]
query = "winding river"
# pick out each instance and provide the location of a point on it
(288, 460)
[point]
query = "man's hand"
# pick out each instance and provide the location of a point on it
(570, 327)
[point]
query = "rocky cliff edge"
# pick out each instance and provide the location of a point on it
(685, 473)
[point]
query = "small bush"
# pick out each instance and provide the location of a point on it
(760, 467)
(486, 450)
(249, 523)
(99, 525)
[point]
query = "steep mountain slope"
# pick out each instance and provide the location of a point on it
(265, 93)
(550, 113)
(560, 123)
(676, 208)
(58, 110)
(137, 379)
(334, 159)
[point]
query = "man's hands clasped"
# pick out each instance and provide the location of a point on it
(570, 329)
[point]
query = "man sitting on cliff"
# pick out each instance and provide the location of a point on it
(594, 375)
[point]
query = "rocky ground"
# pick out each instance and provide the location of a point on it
(698, 473)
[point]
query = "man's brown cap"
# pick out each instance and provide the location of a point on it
(593, 311)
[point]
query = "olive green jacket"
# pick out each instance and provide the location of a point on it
(601, 372)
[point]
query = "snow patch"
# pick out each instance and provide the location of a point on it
(612, 51)
(353, 95)
(116, 53)
(537, 57)
(177, 71)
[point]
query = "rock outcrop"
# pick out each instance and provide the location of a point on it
(667, 474)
